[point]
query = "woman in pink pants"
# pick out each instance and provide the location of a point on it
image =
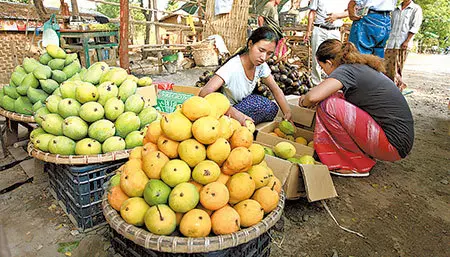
(361, 115)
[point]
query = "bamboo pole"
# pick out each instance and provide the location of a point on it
(152, 9)
(123, 44)
(160, 24)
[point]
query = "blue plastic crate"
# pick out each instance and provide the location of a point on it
(80, 189)
(258, 247)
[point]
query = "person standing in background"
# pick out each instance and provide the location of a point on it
(371, 24)
(326, 17)
(406, 21)
(270, 12)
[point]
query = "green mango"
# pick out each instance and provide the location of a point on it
(38, 105)
(45, 58)
(30, 81)
(17, 77)
(62, 145)
(75, 77)
(52, 103)
(116, 75)
(72, 68)
(22, 90)
(23, 105)
(68, 89)
(56, 51)
(39, 114)
(20, 69)
(8, 103)
(57, 92)
(49, 85)
(52, 123)
(82, 72)
(95, 72)
(70, 58)
(127, 89)
(2, 94)
(36, 95)
(42, 72)
(29, 64)
(35, 133)
(11, 83)
(56, 64)
(11, 92)
(59, 76)
(41, 141)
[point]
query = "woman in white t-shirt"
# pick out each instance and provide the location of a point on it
(239, 75)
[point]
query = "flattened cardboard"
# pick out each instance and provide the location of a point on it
(186, 89)
(149, 94)
(264, 136)
(318, 182)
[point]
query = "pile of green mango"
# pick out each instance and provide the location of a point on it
(96, 111)
(34, 81)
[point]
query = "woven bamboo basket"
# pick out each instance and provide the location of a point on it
(177, 244)
(76, 159)
(205, 54)
(17, 116)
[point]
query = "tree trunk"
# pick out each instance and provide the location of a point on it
(148, 17)
(40, 9)
(75, 11)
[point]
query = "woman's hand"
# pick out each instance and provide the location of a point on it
(300, 100)
(243, 118)
(288, 116)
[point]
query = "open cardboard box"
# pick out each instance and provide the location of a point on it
(301, 180)
(300, 115)
(149, 93)
(264, 136)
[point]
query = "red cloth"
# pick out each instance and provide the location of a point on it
(348, 138)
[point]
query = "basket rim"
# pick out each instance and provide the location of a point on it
(17, 116)
(177, 244)
(76, 159)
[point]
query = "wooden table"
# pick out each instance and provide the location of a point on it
(85, 46)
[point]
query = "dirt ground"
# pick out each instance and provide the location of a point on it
(402, 208)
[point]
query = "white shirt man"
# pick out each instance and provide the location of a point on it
(406, 20)
(326, 17)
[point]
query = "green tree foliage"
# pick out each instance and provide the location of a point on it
(19, 1)
(436, 22)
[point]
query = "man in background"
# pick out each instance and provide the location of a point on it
(371, 24)
(324, 22)
(269, 13)
(406, 21)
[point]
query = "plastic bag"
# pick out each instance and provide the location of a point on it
(51, 32)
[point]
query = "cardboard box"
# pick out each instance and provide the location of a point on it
(149, 94)
(186, 89)
(302, 180)
(263, 136)
(300, 115)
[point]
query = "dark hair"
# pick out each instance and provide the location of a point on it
(261, 33)
(346, 53)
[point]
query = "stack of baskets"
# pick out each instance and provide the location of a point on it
(205, 53)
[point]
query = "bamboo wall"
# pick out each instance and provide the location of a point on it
(14, 47)
(232, 26)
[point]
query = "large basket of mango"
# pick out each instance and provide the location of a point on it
(199, 183)
(84, 115)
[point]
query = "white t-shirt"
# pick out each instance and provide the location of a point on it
(237, 86)
(378, 5)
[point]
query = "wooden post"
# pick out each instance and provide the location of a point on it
(123, 44)
(75, 11)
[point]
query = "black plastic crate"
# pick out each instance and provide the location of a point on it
(258, 247)
(80, 188)
(86, 185)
